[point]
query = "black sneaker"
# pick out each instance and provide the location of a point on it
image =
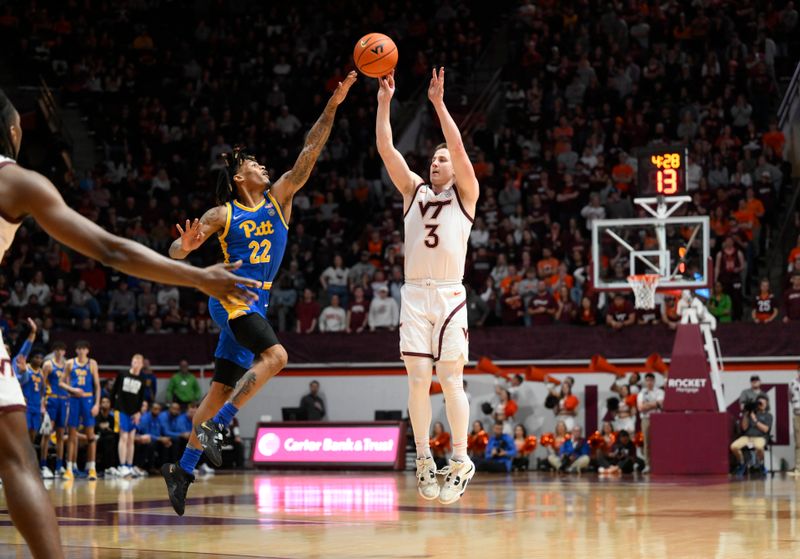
(178, 482)
(210, 437)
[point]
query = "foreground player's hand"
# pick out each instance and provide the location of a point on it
(220, 282)
(191, 237)
(343, 88)
(436, 87)
(32, 324)
(386, 87)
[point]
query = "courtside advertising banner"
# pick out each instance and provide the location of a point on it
(321, 445)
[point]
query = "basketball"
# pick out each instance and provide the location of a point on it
(375, 55)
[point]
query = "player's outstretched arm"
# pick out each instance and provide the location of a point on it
(294, 179)
(34, 195)
(403, 178)
(197, 232)
(462, 166)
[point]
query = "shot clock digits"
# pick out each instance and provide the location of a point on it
(662, 171)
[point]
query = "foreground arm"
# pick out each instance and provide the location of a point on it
(294, 179)
(404, 180)
(462, 166)
(34, 195)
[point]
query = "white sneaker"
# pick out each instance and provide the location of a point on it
(427, 485)
(125, 471)
(138, 472)
(61, 471)
(457, 476)
(207, 470)
(111, 472)
(794, 473)
(47, 473)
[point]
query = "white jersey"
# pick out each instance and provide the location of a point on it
(437, 229)
(7, 228)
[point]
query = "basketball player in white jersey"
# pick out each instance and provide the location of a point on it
(25, 193)
(438, 216)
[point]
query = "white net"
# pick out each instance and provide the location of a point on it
(644, 289)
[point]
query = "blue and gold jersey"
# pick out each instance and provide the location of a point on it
(256, 236)
(53, 389)
(33, 389)
(81, 377)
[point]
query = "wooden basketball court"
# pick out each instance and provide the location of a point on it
(378, 515)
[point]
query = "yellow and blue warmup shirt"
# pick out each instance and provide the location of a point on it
(257, 236)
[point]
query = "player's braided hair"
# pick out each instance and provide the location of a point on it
(7, 111)
(226, 187)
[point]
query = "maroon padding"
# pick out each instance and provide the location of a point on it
(690, 443)
(12, 408)
(590, 403)
(688, 386)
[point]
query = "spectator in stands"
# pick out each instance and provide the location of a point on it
(791, 300)
(183, 387)
(755, 426)
(177, 426)
(719, 304)
(542, 307)
(123, 304)
(383, 311)
(649, 400)
(587, 314)
(335, 279)
(625, 414)
(750, 395)
(333, 317)
(765, 309)
(307, 312)
(573, 456)
(477, 309)
(357, 313)
(593, 210)
(312, 404)
(499, 452)
(82, 302)
(621, 313)
(39, 288)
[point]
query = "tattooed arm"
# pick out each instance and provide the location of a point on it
(197, 232)
(294, 179)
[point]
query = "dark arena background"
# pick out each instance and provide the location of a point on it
(625, 151)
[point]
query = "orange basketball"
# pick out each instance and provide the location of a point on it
(375, 55)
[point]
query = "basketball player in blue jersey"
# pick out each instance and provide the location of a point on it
(81, 379)
(32, 382)
(252, 223)
(25, 193)
(57, 405)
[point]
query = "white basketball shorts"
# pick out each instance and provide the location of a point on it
(11, 398)
(433, 320)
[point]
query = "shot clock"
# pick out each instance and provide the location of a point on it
(662, 171)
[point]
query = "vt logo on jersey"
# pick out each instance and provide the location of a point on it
(249, 227)
(437, 205)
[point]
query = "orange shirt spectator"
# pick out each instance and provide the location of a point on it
(749, 221)
(794, 254)
(622, 174)
(563, 136)
(775, 140)
(755, 207)
(546, 267)
(508, 281)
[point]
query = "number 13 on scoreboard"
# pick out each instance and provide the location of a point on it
(667, 181)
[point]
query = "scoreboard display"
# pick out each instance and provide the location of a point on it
(662, 171)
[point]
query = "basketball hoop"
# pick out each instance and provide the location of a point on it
(644, 289)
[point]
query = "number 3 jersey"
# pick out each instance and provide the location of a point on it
(256, 236)
(437, 229)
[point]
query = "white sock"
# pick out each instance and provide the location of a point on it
(420, 371)
(90, 465)
(451, 375)
(70, 466)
